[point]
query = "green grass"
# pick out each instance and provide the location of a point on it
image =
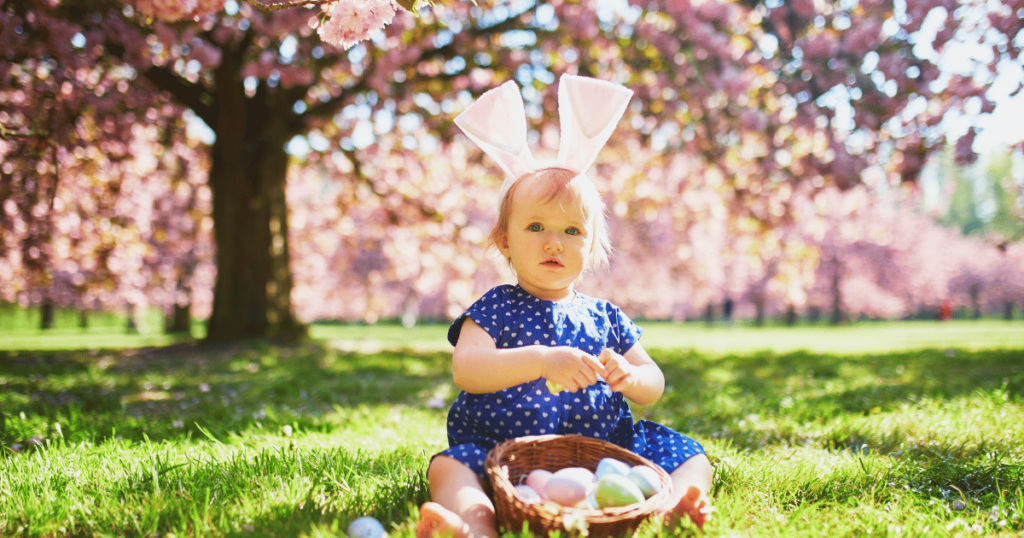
(19, 329)
(912, 431)
(857, 338)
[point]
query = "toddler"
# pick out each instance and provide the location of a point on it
(517, 338)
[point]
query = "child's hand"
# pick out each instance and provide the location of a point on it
(619, 373)
(570, 368)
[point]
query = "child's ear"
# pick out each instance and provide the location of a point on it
(502, 244)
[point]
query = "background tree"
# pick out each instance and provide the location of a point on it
(739, 106)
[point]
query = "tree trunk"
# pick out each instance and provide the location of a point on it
(791, 316)
(814, 314)
(976, 300)
(252, 294)
(709, 314)
(131, 325)
(759, 309)
(83, 319)
(837, 297)
(1008, 310)
(180, 319)
(46, 314)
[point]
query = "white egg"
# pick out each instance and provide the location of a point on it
(579, 474)
(646, 479)
(609, 466)
(527, 494)
(366, 527)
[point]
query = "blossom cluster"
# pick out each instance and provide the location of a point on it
(175, 10)
(347, 22)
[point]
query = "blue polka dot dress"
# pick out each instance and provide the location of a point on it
(514, 318)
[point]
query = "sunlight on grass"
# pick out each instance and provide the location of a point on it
(853, 339)
(265, 440)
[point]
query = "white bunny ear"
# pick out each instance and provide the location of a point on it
(589, 109)
(497, 123)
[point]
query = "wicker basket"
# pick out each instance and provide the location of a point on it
(508, 464)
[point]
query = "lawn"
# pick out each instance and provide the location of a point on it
(882, 429)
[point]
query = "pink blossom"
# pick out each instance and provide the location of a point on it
(165, 10)
(351, 21)
(863, 38)
(805, 8)
(175, 10)
(821, 46)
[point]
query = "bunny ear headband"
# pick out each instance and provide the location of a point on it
(588, 111)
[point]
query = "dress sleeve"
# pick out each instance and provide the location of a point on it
(624, 332)
(486, 312)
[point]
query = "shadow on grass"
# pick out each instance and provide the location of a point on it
(162, 393)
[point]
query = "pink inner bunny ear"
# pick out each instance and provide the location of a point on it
(497, 123)
(589, 109)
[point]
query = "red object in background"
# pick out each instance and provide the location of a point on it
(946, 313)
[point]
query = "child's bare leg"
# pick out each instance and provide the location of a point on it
(691, 482)
(460, 508)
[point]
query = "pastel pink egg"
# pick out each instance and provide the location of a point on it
(538, 480)
(565, 491)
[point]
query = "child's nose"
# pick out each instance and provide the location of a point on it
(552, 246)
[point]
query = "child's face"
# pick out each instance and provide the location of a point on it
(548, 243)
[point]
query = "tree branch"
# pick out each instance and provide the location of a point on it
(326, 109)
(275, 6)
(185, 92)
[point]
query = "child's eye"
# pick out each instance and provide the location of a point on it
(535, 227)
(573, 231)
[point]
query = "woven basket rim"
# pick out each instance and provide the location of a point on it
(552, 515)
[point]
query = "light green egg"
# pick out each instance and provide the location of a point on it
(616, 490)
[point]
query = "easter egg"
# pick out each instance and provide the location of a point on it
(609, 466)
(580, 474)
(554, 388)
(590, 501)
(646, 479)
(538, 480)
(366, 527)
(527, 494)
(616, 490)
(566, 491)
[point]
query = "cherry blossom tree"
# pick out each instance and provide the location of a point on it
(742, 110)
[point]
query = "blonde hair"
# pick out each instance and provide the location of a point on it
(558, 182)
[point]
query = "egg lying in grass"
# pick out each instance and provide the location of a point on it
(366, 527)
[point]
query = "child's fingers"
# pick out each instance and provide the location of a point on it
(597, 367)
(613, 375)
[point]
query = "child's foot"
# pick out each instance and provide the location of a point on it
(694, 504)
(437, 521)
